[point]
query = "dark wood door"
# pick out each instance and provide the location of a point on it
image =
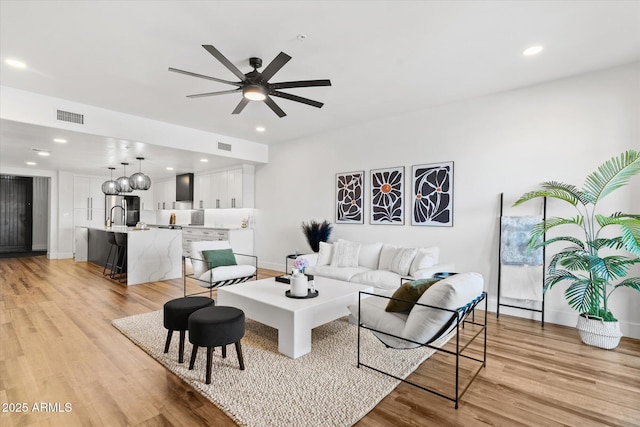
(16, 193)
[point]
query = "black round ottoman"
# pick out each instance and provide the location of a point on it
(176, 318)
(216, 326)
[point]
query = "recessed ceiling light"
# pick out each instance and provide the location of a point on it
(204, 160)
(169, 168)
(15, 63)
(533, 50)
(260, 129)
(31, 163)
(60, 140)
(44, 153)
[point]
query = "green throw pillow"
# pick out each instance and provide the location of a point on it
(410, 291)
(219, 257)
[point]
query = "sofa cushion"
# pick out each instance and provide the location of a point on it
(369, 254)
(425, 258)
(345, 254)
(402, 260)
(451, 293)
(409, 291)
(342, 273)
(324, 254)
(219, 257)
(381, 279)
(386, 256)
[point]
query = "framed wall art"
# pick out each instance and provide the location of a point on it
(387, 196)
(432, 194)
(349, 198)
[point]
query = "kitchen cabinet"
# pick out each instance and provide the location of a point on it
(165, 194)
(202, 194)
(232, 188)
(88, 201)
(146, 198)
(241, 240)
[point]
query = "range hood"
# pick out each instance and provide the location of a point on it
(184, 188)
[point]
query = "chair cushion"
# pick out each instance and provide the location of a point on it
(451, 293)
(374, 316)
(219, 257)
(410, 291)
(227, 272)
(196, 248)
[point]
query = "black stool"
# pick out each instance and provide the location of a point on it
(216, 326)
(111, 238)
(121, 266)
(176, 318)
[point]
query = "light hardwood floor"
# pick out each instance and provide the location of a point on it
(57, 347)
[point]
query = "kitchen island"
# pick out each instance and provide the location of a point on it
(153, 254)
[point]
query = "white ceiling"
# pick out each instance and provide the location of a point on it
(383, 58)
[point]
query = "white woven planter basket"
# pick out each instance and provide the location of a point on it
(598, 333)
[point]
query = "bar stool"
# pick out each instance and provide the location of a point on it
(121, 265)
(111, 238)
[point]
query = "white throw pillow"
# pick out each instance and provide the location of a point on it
(425, 258)
(324, 254)
(345, 254)
(402, 260)
(369, 254)
(386, 256)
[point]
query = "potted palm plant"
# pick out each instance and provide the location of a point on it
(596, 263)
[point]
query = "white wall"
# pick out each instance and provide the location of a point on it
(507, 142)
(40, 213)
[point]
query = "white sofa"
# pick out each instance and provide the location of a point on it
(379, 265)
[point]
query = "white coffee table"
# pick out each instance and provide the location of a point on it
(265, 301)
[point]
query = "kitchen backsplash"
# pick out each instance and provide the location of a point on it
(225, 218)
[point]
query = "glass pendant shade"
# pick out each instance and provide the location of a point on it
(111, 187)
(123, 181)
(138, 180)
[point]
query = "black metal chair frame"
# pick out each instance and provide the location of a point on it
(459, 317)
(210, 283)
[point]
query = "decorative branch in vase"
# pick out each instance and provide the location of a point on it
(316, 232)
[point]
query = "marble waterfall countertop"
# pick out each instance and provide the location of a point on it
(153, 254)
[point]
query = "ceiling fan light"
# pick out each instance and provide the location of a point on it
(254, 93)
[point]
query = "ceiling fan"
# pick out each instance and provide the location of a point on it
(255, 85)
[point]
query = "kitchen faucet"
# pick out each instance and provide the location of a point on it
(123, 215)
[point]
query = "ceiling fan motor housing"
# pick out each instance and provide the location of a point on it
(255, 62)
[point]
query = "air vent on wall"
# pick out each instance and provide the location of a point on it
(67, 116)
(224, 147)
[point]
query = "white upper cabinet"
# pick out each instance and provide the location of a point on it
(88, 201)
(232, 188)
(164, 194)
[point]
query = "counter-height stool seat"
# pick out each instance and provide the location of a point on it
(121, 265)
(113, 250)
(176, 318)
(216, 326)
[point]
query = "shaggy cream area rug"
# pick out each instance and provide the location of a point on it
(322, 388)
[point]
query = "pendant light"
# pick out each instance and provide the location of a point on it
(140, 181)
(123, 181)
(111, 187)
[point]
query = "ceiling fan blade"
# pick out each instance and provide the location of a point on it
(301, 83)
(220, 57)
(274, 107)
(298, 99)
(275, 66)
(224, 92)
(189, 73)
(243, 103)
